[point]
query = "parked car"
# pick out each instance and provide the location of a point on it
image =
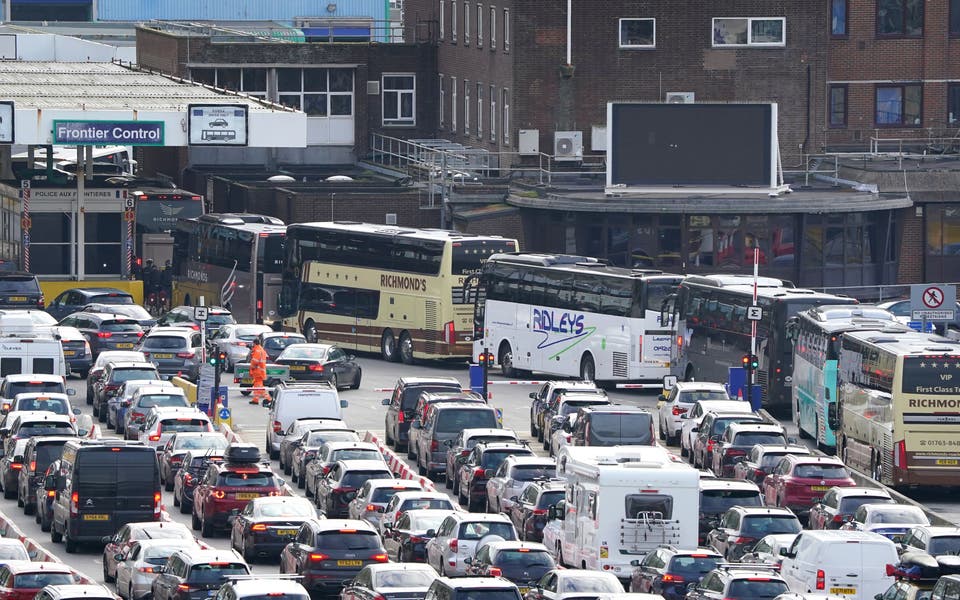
(322, 362)
(935, 541)
(889, 520)
(739, 582)
(669, 571)
(717, 496)
(76, 349)
(235, 341)
(162, 394)
(767, 549)
(95, 375)
(21, 580)
(564, 584)
(184, 316)
(275, 342)
(120, 542)
(444, 422)
(134, 312)
(335, 491)
(514, 474)
(839, 504)
(545, 395)
(797, 482)
(192, 470)
(140, 564)
(529, 511)
(693, 418)
(73, 300)
(374, 495)
(176, 351)
(406, 539)
(710, 431)
(460, 447)
(523, 563)
(741, 527)
(402, 403)
(480, 466)
(19, 289)
(267, 524)
(308, 470)
(379, 581)
(105, 331)
(738, 439)
(329, 452)
(762, 458)
(678, 400)
(196, 574)
(226, 487)
(414, 500)
(114, 374)
(428, 400)
(293, 437)
(180, 443)
(457, 538)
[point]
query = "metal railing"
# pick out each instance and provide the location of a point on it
(332, 30)
(872, 293)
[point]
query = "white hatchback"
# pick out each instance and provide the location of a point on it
(678, 401)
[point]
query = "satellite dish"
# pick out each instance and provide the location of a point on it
(339, 178)
(282, 179)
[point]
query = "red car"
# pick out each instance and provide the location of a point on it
(22, 579)
(797, 482)
(228, 486)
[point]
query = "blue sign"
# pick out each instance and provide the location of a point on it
(224, 414)
(101, 133)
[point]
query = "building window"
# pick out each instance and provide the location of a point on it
(442, 33)
(900, 18)
(252, 82)
(506, 30)
(838, 18)
(493, 113)
(493, 27)
(480, 110)
(443, 101)
(466, 106)
(102, 249)
(838, 106)
(399, 94)
(453, 104)
(953, 103)
(942, 243)
(638, 33)
(749, 31)
(479, 26)
(505, 118)
(899, 105)
(317, 92)
(453, 21)
(466, 23)
(955, 18)
(50, 244)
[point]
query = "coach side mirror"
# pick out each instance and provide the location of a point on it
(833, 416)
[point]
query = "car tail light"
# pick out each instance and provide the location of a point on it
(146, 569)
(837, 519)
(275, 493)
(187, 479)
(449, 333)
(464, 453)
(495, 572)
(51, 493)
(6, 406)
(400, 417)
(821, 584)
(16, 466)
(416, 539)
(194, 327)
(326, 469)
(343, 490)
(139, 334)
(186, 354)
(74, 504)
(382, 558)
(434, 446)
(759, 473)
(86, 347)
(104, 335)
(678, 410)
(732, 452)
(743, 540)
(259, 310)
(671, 578)
(137, 415)
(316, 368)
(277, 426)
(317, 557)
(154, 438)
(33, 465)
(156, 504)
(710, 444)
(900, 455)
(40, 302)
(219, 494)
(371, 508)
(258, 527)
(241, 344)
(146, 354)
(538, 511)
(478, 472)
(454, 545)
(183, 588)
(176, 460)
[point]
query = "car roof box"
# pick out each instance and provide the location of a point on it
(242, 453)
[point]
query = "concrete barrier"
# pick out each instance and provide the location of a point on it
(398, 466)
(37, 552)
(190, 389)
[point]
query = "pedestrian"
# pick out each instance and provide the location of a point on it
(258, 372)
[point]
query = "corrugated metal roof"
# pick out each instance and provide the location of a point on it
(237, 10)
(104, 86)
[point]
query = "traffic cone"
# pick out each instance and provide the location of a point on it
(740, 395)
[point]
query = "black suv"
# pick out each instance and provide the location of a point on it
(196, 574)
(484, 459)
(105, 331)
(73, 300)
(613, 425)
(529, 511)
(402, 403)
(114, 375)
(38, 455)
(183, 316)
(191, 470)
(472, 588)
(736, 582)
(668, 571)
(20, 290)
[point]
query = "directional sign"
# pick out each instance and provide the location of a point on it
(200, 313)
(754, 313)
(933, 302)
(128, 203)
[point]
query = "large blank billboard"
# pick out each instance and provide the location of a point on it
(723, 145)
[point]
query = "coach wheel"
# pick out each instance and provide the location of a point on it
(690, 374)
(186, 300)
(310, 332)
(877, 468)
(388, 347)
(588, 371)
(505, 356)
(406, 348)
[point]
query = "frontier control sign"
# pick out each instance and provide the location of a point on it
(102, 133)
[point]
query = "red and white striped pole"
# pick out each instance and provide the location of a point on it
(25, 223)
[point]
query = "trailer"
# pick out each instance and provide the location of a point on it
(649, 499)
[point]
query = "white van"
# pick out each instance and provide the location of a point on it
(841, 563)
(32, 354)
(292, 401)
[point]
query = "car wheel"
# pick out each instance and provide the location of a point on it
(194, 521)
(356, 382)
(206, 529)
(310, 332)
(334, 381)
(176, 499)
(410, 453)
(247, 554)
(588, 370)
(68, 543)
(447, 482)
(406, 349)
(130, 592)
(106, 574)
(55, 536)
(660, 432)
(168, 485)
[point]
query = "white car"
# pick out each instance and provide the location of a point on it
(513, 474)
(162, 422)
(373, 497)
(679, 400)
(562, 437)
(139, 565)
(560, 584)
(404, 501)
(458, 536)
(553, 536)
(692, 418)
(889, 520)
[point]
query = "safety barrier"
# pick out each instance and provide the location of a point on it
(190, 389)
(398, 466)
(38, 553)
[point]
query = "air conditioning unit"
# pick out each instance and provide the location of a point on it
(390, 219)
(680, 98)
(373, 88)
(568, 145)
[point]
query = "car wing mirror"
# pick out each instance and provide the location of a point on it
(71, 392)
(385, 402)
(430, 532)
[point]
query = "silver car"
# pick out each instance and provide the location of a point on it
(467, 529)
(235, 340)
(176, 351)
(138, 566)
(512, 476)
(678, 400)
(373, 497)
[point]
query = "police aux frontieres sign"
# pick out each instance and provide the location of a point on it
(105, 133)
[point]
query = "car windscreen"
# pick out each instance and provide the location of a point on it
(112, 298)
(121, 375)
(44, 454)
(355, 479)
(44, 428)
(217, 442)
(425, 504)
(279, 343)
(752, 438)
(715, 502)
(54, 405)
(215, 321)
(403, 579)
(820, 471)
(427, 521)
(183, 424)
(305, 352)
(215, 572)
(945, 544)
(531, 472)
(28, 581)
(548, 499)
(572, 406)
(770, 460)
(258, 479)
(358, 540)
(757, 526)
(720, 424)
(897, 514)
(334, 435)
(286, 509)
(13, 552)
(355, 454)
(164, 342)
(487, 594)
(850, 504)
(693, 567)
(755, 589)
(162, 400)
(454, 420)
(479, 529)
(524, 563)
(13, 284)
(19, 387)
(648, 506)
(121, 326)
(118, 472)
(705, 395)
(412, 394)
(493, 458)
(620, 429)
(158, 555)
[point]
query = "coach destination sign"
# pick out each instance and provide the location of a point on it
(103, 133)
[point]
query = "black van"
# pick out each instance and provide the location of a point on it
(102, 485)
(20, 290)
(613, 425)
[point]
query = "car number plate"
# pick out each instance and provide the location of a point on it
(17, 299)
(819, 488)
(74, 352)
(286, 532)
(162, 355)
(246, 381)
(947, 462)
(246, 496)
(524, 590)
(96, 517)
(126, 345)
(843, 591)
(297, 368)
(349, 563)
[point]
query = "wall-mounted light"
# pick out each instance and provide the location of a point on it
(331, 7)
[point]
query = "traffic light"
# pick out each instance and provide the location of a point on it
(213, 359)
(750, 362)
(222, 359)
(486, 359)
